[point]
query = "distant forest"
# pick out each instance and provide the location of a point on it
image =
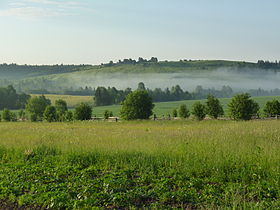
(103, 96)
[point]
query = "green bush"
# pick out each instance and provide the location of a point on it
(69, 116)
(137, 105)
(213, 107)
(61, 109)
(272, 108)
(174, 113)
(184, 112)
(83, 112)
(107, 114)
(199, 111)
(50, 114)
(36, 107)
(242, 107)
(7, 115)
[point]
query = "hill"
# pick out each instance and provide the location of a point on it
(60, 79)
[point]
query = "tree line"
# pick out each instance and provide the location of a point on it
(139, 105)
(108, 96)
(9, 98)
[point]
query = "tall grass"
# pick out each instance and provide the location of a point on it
(211, 164)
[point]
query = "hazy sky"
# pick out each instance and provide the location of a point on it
(95, 31)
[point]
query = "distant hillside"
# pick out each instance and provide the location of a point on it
(155, 74)
(18, 72)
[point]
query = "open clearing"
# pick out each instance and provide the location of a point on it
(161, 164)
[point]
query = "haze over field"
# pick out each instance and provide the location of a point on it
(249, 79)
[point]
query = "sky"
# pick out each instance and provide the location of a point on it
(97, 31)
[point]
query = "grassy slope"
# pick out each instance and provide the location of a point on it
(161, 67)
(160, 164)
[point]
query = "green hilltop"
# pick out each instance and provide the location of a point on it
(19, 72)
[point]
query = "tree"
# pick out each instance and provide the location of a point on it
(141, 86)
(61, 109)
(183, 111)
(69, 116)
(137, 105)
(214, 107)
(272, 108)
(36, 107)
(21, 114)
(175, 113)
(102, 97)
(107, 114)
(50, 114)
(83, 112)
(242, 107)
(7, 115)
(199, 111)
(11, 100)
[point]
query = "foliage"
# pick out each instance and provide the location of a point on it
(83, 112)
(21, 114)
(61, 109)
(183, 111)
(137, 105)
(272, 108)
(50, 114)
(242, 107)
(36, 107)
(11, 100)
(69, 116)
(174, 113)
(108, 114)
(199, 111)
(214, 107)
(7, 115)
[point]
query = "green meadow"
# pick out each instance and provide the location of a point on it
(165, 108)
(141, 164)
(162, 108)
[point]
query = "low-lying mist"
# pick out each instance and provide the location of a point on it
(236, 78)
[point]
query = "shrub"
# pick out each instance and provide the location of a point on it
(184, 112)
(107, 114)
(69, 116)
(7, 115)
(213, 107)
(174, 113)
(83, 112)
(137, 105)
(199, 111)
(36, 107)
(272, 108)
(61, 109)
(242, 107)
(50, 114)
(21, 114)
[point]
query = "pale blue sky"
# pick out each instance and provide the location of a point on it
(96, 31)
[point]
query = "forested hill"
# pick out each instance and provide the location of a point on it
(17, 72)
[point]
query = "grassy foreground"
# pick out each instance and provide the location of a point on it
(162, 164)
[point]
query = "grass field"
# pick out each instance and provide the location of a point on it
(161, 164)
